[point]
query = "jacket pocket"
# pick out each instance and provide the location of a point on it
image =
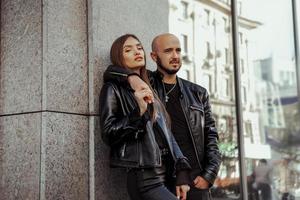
(197, 118)
(197, 108)
(129, 152)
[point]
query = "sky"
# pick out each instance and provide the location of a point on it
(275, 36)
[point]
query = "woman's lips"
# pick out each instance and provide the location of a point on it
(139, 58)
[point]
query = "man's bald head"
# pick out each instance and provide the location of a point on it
(166, 52)
(161, 39)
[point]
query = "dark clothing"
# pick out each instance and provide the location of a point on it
(138, 144)
(179, 125)
(262, 174)
(195, 193)
(148, 185)
(194, 102)
(266, 192)
(130, 136)
(159, 137)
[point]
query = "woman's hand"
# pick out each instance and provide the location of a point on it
(142, 97)
(181, 191)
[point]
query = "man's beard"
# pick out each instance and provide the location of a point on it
(165, 69)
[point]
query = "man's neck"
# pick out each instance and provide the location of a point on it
(168, 78)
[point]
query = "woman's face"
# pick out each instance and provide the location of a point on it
(133, 54)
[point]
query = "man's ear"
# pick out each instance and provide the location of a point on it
(153, 56)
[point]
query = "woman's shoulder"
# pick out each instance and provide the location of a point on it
(109, 88)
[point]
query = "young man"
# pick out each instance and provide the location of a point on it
(188, 106)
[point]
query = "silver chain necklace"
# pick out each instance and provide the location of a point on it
(167, 93)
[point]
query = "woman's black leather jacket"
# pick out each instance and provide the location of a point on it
(130, 135)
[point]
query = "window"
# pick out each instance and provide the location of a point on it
(226, 54)
(207, 16)
(241, 37)
(248, 130)
(184, 6)
(225, 24)
(208, 52)
(207, 82)
(184, 40)
(227, 86)
(239, 8)
(244, 94)
(225, 89)
(242, 66)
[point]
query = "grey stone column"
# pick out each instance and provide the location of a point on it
(53, 54)
(20, 94)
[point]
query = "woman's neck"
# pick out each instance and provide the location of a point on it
(137, 71)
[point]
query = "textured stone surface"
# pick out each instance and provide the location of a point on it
(66, 157)
(20, 157)
(44, 66)
(111, 19)
(65, 55)
(20, 69)
(110, 184)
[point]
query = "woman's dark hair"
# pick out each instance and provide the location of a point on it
(116, 57)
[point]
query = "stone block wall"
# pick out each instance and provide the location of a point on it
(53, 54)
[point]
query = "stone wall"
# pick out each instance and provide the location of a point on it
(53, 54)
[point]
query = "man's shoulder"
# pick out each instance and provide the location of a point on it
(192, 85)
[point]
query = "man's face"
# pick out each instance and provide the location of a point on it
(168, 54)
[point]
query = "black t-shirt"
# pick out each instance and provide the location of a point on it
(179, 125)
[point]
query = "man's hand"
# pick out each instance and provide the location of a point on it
(181, 191)
(137, 84)
(201, 183)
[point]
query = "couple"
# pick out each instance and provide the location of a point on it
(159, 127)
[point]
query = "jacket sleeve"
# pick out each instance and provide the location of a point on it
(212, 155)
(115, 126)
(117, 74)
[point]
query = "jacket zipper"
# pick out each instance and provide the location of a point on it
(123, 150)
(190, 130)
(209, 194)
(117, 73)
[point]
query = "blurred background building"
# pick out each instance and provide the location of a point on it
(268, 80)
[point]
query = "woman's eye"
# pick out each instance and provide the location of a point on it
(140, 48)
(127, 50)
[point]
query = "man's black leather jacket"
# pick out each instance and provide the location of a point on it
(131, 136)
(195, 104)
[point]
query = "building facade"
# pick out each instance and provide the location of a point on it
(268, 81)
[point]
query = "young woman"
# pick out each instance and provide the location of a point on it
(134, 124)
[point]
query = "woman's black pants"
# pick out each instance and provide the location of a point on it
(149, 184)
